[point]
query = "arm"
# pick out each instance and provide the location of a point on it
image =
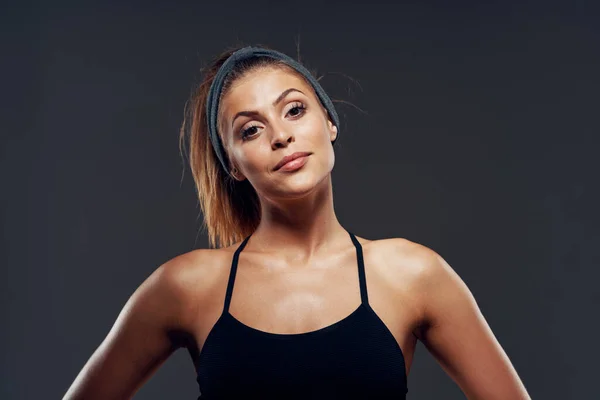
(458, 336)
(140, 340)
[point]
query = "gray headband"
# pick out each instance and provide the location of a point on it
(212, 102)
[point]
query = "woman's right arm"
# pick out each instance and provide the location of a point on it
(141, 339)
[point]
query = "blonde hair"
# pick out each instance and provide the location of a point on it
(231, 208)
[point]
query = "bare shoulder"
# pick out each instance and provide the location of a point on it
(423, 264)
(183, 282)
(192, 271)
(411, 259)
(434, 283)
(417, 270)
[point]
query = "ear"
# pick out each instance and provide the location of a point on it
(333, 130)
(234, 170)
(237, 174)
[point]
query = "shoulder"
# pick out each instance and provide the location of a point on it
(403, 255)
(438, 289)
(422, 263)
(188, 270)
(416, 268)
(179, 286)
(194, 272)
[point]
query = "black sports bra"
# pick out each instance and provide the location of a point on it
(357, 357)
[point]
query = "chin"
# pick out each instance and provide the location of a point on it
(298, 185)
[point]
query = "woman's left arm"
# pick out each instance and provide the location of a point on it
(458, 336)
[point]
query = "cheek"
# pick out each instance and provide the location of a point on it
(314, 128)
(330, 156)
(254, 158)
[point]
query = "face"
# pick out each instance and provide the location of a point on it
(267, 115)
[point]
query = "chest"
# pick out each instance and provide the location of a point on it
(270, 298)
(355, 357)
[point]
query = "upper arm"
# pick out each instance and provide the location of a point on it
(458, 336)
(140, 339)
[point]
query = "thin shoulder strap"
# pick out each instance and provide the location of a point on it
(361, 269)
(232, 272)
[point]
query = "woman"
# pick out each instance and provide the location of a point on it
(317, 312)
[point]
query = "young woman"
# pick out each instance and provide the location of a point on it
(289, 304)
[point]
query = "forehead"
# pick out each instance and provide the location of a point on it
(259, 88)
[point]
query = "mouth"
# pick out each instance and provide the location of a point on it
(292, 161)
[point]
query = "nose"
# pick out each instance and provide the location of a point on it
(281, 137)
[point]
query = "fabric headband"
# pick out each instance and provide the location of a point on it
(214, 93)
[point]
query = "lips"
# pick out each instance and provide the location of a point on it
(289, 158)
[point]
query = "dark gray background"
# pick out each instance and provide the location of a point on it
(478, 139)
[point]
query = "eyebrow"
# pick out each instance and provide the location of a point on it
(278, 100)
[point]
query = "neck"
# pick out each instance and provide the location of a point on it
(303, 226)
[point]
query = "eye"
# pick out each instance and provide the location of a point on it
(297, 109)
(249, 131)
